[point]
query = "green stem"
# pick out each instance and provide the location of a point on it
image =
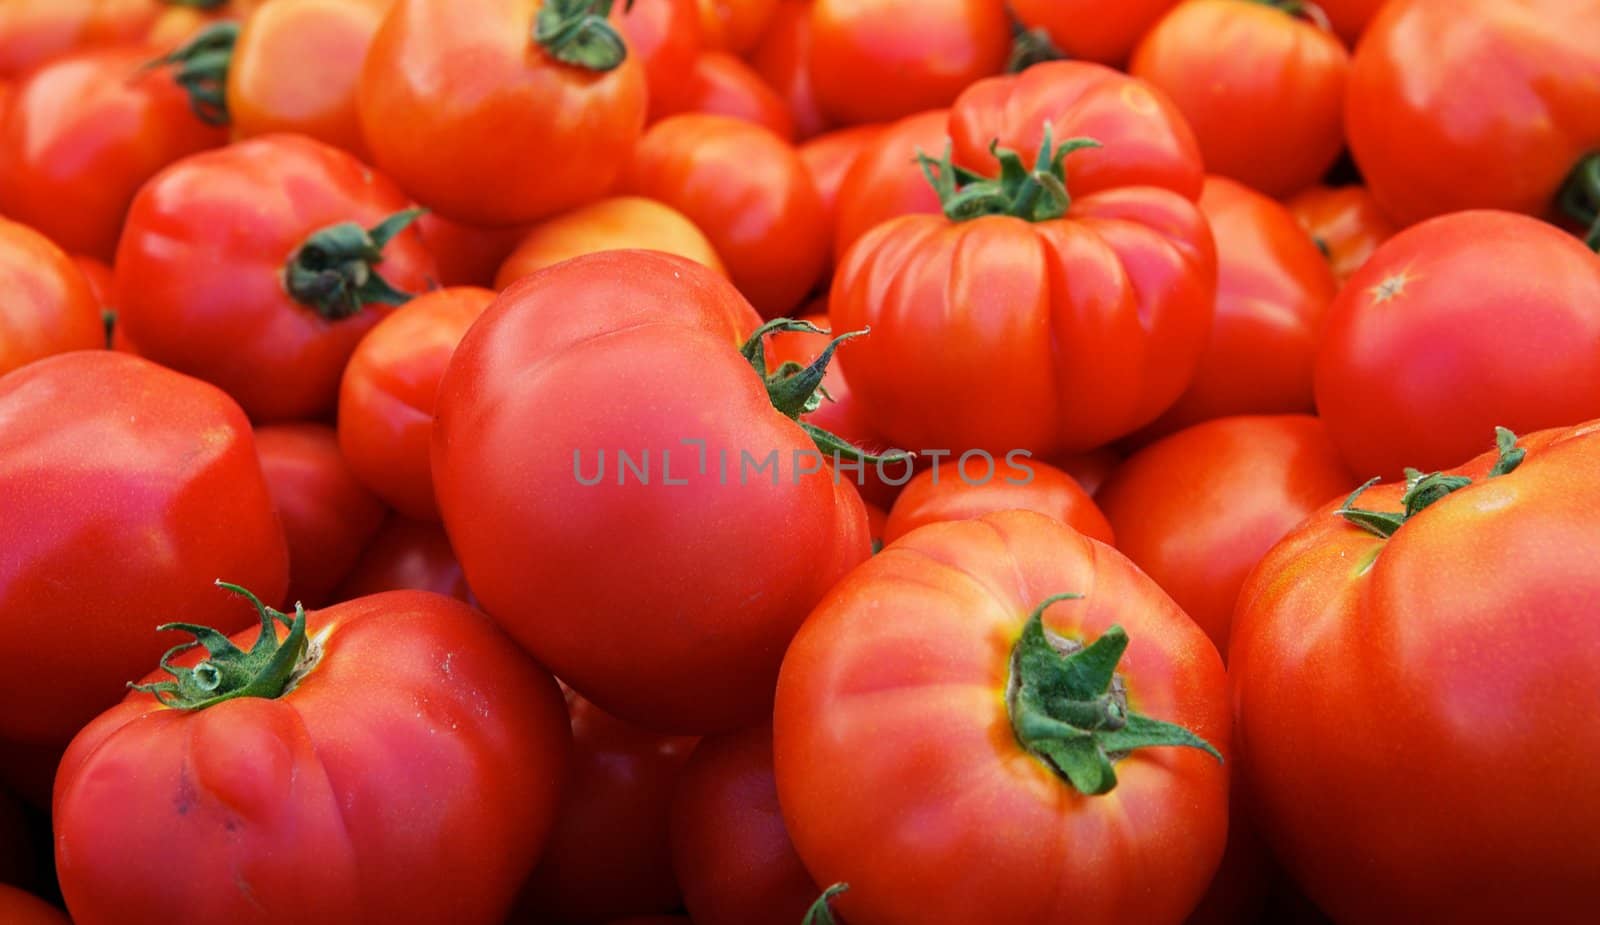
(577, 32)
(1030, 47)
(202, 70)
(1426, 489)
(333, 271)
(1036, 195)
(821, 911)
(1580, 198)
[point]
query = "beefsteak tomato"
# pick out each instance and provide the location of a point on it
(975, 486)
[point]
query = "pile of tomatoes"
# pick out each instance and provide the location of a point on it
(764, 462)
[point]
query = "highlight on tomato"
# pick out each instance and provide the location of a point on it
(49, 306)
(611, 224)
(1345, 222)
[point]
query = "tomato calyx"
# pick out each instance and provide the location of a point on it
(1424, 489)
(1069, 708)
(268, 670)
(1030, 47)
(821, 913)
(333, 271)
(1301, 9)
(202, 70)
(577, 32)
(1580, 198)
(1037, 195)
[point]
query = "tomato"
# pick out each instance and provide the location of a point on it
(48, 307)
(21, 908)
(386, 399)
(1349, 18)
(1383, 675)
(1090, 469)
(969, 487)
(608, 854)
(1242, 886)
(735, 25)
(665, 596)
(82, 135)
(724, 85)
(102, 283)
(616, 223)
(1430, 345)
(372, 750)
(578, 101)
(750, 193)
(783, 59)
(467, 255)
(1495, 114)
(406, 555)
(127, 489)
(33, 32)
(1091, 29)
(876, 60)
(1278, 134)
(665, 36)
(730, 849)
(828, 158)
(273, 315)
(920, 760)
(1197, 510)
(1345, 222)
(328, 515)
(883, 180)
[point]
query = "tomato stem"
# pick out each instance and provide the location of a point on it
(821, 912)
(202, 70)
(1425, 489)
(332, 272)
(1580, 198)
(577, 32)
(1037, 195)
(1030, 47)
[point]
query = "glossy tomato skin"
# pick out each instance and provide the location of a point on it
(32, 32)
(965, 492)
(48, 307)
(467, 255)
(724, 85)
(614, 223)
(386, 398)
(1092, 30)
(214, 305)
(1379, 686)
(884, 181)
(18, 907)
(829, 157)
(735, 25)
(1518, 331)
(81, 135)
(128, 490)
(383, 762)
(1496, 114)
(667, 604)
(783, 59)
(750, 193)
(665, 36)
(899, 772)
(1345, 221)
(466, 153)
(1197, 510)
(406, 555)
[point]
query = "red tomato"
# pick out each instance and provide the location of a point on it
(665, 596)
(48, 306)
(328, 515)
(1345, 222)
(730, 849)
(735, 25)
(876, 60)
(1431, 345)
(386, 399)
(616, 223)
(608, 854)
(1198, 509)
(127, 490)
(1495, 113)
(783, 59)
(883, 181)
(273, 315)
(33, 32)
(102, 282)
(829, 158)
(577, 105)
(467, 255)
(21, 908)
(406, 555)
(1092, 29)
(920, 760)
(82, 135)
(1383, 675)
(665, 36)
(750, 193)
(366, 742)
(975, 486)
(723, 85)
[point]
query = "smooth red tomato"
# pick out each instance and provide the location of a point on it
(1430, 345)
(571, 104)
(467, 255)
(615, 223)
(665, 36)
(271, 315)
(724, 85)
(328, 516)
(1480, 104)
(970, 487)
(1345, 222)
(367, 743)
(877, 60)
(1384, 675)
(406, 555)
(1092, 29)
(920, 759)
(128, 489)
(81, 135)
(47, 305)
(829, 158)
(750, 193)
(33, 32)
(884, 181)
(386, 399)
(730, 849)
(663, 591)
(101, 280)
(1197, 510)
(783, 59)
(18, 907)
(735, 25)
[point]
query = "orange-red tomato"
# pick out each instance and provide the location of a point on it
(783, 59)
(101, 279)
(33, 32)
(467, 255)
(614, 224)
(1345, 222)
(829, 158)
(1093, 30)
(972, 487)
(18, 907)
(665, 36)
(406, 555)
(735, 25)
(884, 181)
(47, 305)
(723, 85)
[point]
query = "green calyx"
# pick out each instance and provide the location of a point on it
(577, 32)
(1423, 490)
(334, 271)
(1068, 707)
(202, 70)
(1030, 47)
(1580, 198)
(1037, 195)
(821, 912)
(268, 670)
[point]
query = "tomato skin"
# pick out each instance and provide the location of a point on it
(1379, 685)
(1496, 114)
(1089, 29)
(705, 658)
(615, 223)
(828, 158)
(80, 137)
(21, 908)
(665, 36)
(48, 307)
(1519, 332)
(783, 59)
(884, 180)
(1346, 220)
(466, 254)
(750, 193)
(895, 756)
(735, 25)
(33, 32)
(406, 555)
(382, 762)
(723, 85)
(214, 306)
(513, 98)
(121, 482)
(966, 492)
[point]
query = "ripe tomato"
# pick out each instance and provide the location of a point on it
(664, 35)
(127, 489)
(665, 596)
(735, 25)
(18, 907)
(1092, 29)
(33, 32)
(972, 487)
(750, 193)
(386, 399)
(828, 158)
(883, 181)
(273, 315)
(406, 555)
(1345, 222)
(102, 283)
(1385, 668)
(466, 254)
(783, 59)
(48, 306)
(723, 85)
(1430, 345)
(617, 223)
(363, 738)
(918, 755)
